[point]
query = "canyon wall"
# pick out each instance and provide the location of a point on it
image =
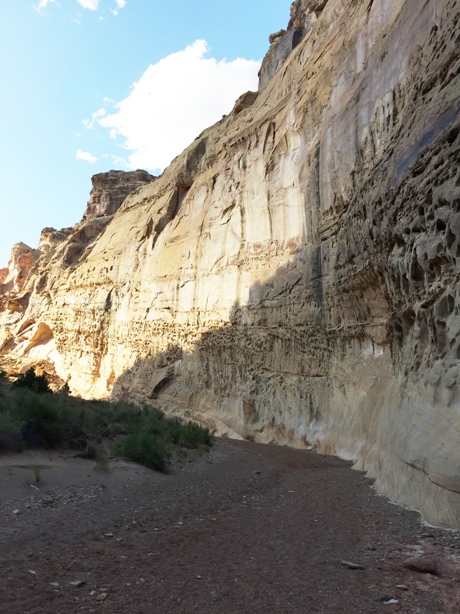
(293, 276)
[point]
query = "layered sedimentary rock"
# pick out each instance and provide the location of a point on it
(293, 276)
(110, 190)
(29, 337)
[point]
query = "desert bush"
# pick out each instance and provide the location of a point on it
(145, 449)
(10, 423)
(39, 413)
(154, 436)
(143, 435)
(32, 381)
(188, 434)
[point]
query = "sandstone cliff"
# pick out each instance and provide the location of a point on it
(110, 190)
(293, 276)
(30, 341)
(13, 277)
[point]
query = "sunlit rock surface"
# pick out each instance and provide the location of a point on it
(110, 190)
(13, 277)
(50, 238)
(293, 276)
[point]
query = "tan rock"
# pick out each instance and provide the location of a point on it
(422, 564)
(3, 274)
(13, 277)
(293, 276)
(50, 238)
(110, 190)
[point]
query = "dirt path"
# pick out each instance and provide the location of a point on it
(244, 529)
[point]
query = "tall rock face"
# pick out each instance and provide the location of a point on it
(293, 276)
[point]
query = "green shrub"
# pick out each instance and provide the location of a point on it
(145, 449)
(42, 422)
(10, 432)
(11, 423)
(50, 420)
(188, 434)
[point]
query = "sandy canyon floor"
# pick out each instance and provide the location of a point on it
(243, 529)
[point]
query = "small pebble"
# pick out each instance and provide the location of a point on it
(351, 565)
(422, 564)
(387, 599)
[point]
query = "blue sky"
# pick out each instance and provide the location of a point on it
(91, 85)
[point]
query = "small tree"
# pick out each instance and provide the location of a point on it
(32, 381)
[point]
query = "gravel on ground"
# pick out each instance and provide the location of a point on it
(243, 529)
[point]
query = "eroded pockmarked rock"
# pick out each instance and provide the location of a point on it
(293, 276)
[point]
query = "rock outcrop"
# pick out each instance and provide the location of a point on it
(293, 276)
(30, 337)
(50, 238)
(13, 277)
(110, 190)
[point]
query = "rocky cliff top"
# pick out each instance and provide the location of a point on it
(110, 190)
(50, 237)
(304, 14)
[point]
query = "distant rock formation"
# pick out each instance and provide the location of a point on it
(33, 338)
(294, 275)
(50, 238)
(110, 190)
(13, 277)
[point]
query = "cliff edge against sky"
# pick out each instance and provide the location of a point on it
(293, 276)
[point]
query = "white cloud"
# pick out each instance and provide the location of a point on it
(85, 155)
(174, 101)
(89, 123)
(91, 5)
(44, 3)
(120, 4)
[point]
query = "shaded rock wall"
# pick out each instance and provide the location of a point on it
(293, 276)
